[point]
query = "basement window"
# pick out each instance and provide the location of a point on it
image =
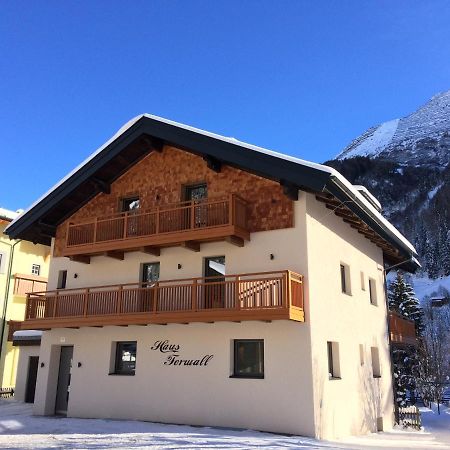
(125, 362)
(376, 368)
(334, 369)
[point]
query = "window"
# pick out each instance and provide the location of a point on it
(129, 204)
(36, 269)
(334, 371)
(125, 358)
(361, 354)
(248, 358)
(2, 262)
(345, 279)
(363, 282)
(376, 369)
(62, 279)
(373, 292)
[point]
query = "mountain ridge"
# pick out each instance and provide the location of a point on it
(405, 164)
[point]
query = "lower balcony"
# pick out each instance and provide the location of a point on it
(257, 296)
(403, 330)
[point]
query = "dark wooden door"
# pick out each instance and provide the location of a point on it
(64, 376)
(214, 287)
(197, 193)
(33, 364)
(149, 278)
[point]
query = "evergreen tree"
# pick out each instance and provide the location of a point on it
(402, 299)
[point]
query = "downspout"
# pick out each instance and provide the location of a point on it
(391, 350)
(7, 287)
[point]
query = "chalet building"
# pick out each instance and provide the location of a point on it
(196, 279)
(23, 268)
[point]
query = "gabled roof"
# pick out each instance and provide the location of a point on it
(147, 133)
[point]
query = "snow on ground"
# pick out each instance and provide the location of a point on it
(20, 430)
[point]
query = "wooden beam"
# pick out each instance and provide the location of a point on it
(47, 228)
(235, 240)
(290, 190)
(155, 251)
(81, 259)
(213, 163)
(115, 254)
(154, 143)
(191, 245)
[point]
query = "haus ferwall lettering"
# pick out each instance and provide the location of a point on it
(173, 358)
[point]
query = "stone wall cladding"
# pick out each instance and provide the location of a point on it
(159, 178)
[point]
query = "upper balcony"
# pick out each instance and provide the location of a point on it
(186, 223)
(403, 330)
(258, 296)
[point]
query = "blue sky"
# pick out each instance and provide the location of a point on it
(300, 77)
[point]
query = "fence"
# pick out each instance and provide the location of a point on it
(410, 417)
(6, 392)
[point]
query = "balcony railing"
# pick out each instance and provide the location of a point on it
(193, 220)
(256, 296)
(403, 330)
(28, 283)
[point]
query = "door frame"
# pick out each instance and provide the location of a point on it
(59, 375)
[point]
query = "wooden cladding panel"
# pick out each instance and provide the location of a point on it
(159, 179)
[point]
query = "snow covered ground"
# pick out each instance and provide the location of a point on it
(20, 430)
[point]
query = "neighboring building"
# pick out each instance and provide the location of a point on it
(199, 280)
(23, 268)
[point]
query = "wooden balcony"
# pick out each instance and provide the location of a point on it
(187, 224)
(403, 330)
(257, 296)
(28, 283)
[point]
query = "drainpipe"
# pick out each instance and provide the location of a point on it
(391, 350)
(7, 287)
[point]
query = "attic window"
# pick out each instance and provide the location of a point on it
(129, 204)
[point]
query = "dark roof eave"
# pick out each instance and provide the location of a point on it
(341, 192)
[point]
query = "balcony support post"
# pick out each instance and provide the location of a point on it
(155, 297)
(55, 304)
(86, 299)
(119, 299)
(194, 295)
(237, 301)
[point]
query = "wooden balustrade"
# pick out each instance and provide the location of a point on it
(402, 329)
(164, 225)
(255, 296)
(28, 283)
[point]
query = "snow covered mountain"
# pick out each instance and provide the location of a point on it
(405, 163)
(422, 138)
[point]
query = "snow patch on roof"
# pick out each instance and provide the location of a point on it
(6, 214)
(23, 334)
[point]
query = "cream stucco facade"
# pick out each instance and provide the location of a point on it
(296, 395)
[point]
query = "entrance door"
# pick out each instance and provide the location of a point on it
(149, 277)
(33, 363)
(215, 287)
(197, 193)
(63, 388)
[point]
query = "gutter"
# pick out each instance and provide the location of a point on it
(343, 192)
(7, 287)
